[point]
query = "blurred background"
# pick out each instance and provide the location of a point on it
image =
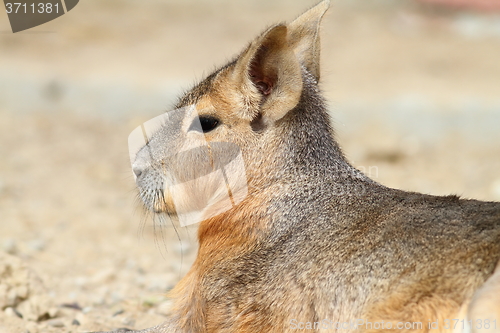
(413, 89)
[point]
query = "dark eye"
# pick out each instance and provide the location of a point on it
(207, 123)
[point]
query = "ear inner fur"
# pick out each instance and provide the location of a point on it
(268, 74)
(263, 81)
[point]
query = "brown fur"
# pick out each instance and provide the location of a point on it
(313, 239)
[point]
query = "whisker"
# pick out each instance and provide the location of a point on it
(176, 233)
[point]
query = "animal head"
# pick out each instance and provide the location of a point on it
(235, 131)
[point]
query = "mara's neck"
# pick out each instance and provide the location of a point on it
(304, 149)
(306, 155)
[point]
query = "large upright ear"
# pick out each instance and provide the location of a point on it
(268, 76)
(303, 37)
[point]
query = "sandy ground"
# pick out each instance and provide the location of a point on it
(414, 93)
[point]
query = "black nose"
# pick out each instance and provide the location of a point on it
(137, 171)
